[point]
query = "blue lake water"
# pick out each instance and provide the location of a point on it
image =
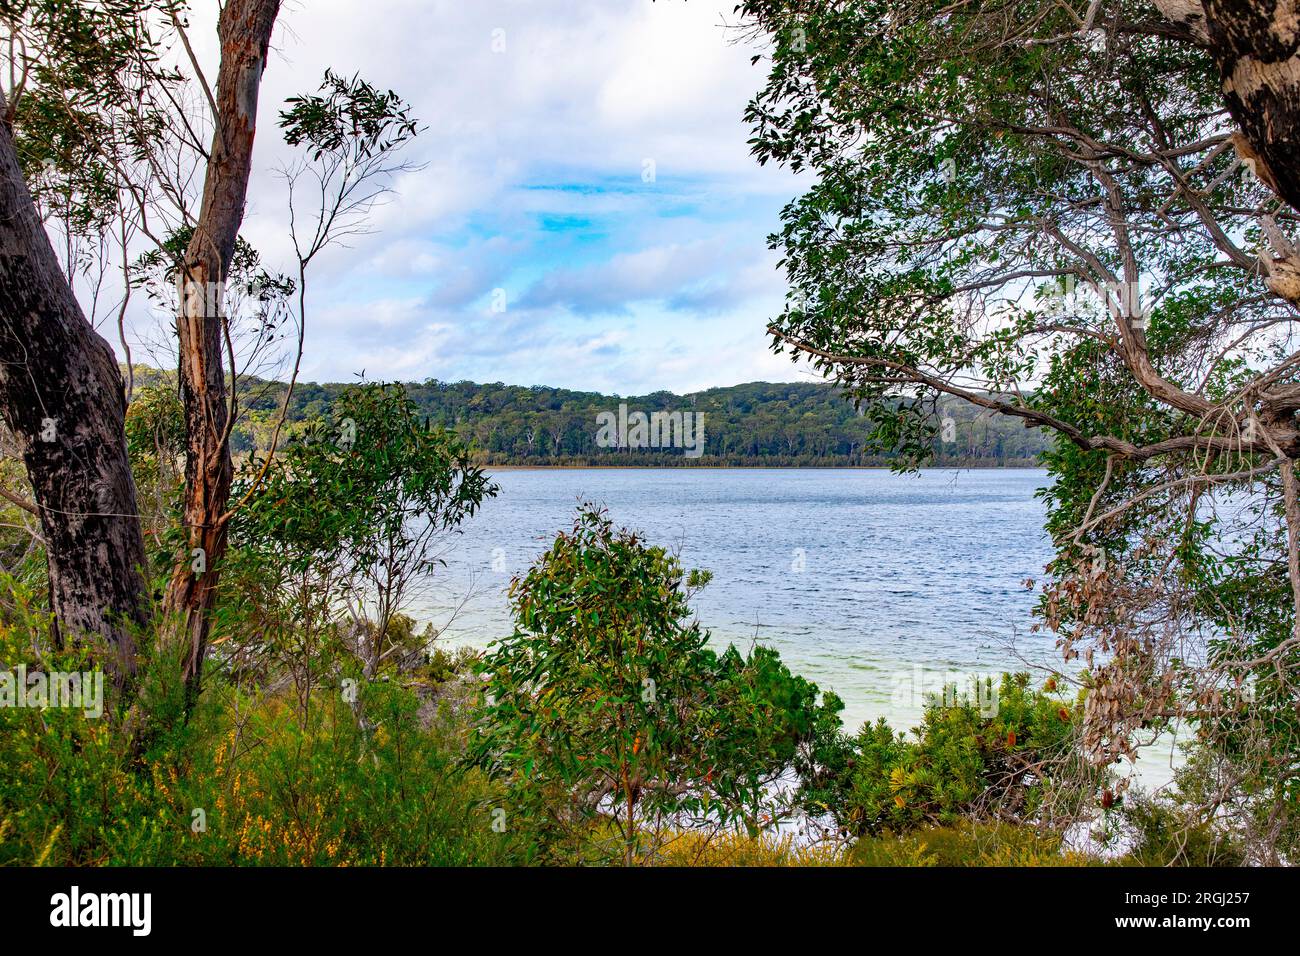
(857, 577)
(880, 587)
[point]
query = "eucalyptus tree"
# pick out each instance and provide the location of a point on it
(337, 530)
(114, 120)
(1254, 45)
(73, 71)
(1055, 212)
(94, 88)
(244, 28)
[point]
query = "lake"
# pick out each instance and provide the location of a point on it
(874, 585)
(853, 575)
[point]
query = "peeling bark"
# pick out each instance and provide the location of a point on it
(1255, 46)
(61, 395)
(1188, 14)
(245, 33)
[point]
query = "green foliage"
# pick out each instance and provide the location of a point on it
(364, 479)
(87, 106)
(311, 777)
(947, 159)
(331, 533)
(758, 423)
(271, 790)
(1005, 205)
(606, 705)
(1163, 833)
(249, 287)
(22, 556)
(352, 118)
(728, 849)
(155, 440)
(960, 763)
(155, 426)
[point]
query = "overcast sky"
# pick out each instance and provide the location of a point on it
(532, 182)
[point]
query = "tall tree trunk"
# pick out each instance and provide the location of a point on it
(61, 395)
(1255, 44)
(245, 32)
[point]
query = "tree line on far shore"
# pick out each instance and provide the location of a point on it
(775, 424)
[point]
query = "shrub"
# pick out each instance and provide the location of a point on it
(1163, 833)
(608, 716)
(696, 848)
(961, 763)
(966, 843)
(250, 779)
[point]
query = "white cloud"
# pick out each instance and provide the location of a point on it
(530, 180)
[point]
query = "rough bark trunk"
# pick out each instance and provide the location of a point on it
(61, 395)
(245, 33)
(1255, 45)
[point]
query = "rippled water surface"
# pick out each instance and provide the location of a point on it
(857, 577)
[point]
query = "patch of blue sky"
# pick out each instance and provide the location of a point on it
(582, 226)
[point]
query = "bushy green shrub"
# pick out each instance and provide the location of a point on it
(609, 717)
(155, 440)
(266, 791)
(959, 763)
(250, 779)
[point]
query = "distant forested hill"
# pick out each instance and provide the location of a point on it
(758, 423)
